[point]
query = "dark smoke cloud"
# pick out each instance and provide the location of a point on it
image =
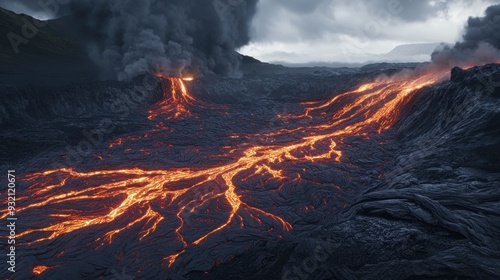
(131, 37)
(480, 43)
(482, 29)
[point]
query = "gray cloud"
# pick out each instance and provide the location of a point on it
(314, 19)
(128, 36)
(480, 43)
(281, 20)
(300, 6)
(354, 31)
(482, 29)
(132, 37)
(411, 10)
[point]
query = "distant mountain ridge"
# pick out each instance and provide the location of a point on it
(411, 52)
(38, 52)
(29, 38)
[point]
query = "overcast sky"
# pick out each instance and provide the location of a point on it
(300, 31)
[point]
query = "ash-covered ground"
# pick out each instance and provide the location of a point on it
(264, 177)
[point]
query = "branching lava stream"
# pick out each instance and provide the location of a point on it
(125, 201)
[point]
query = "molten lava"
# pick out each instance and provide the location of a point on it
(175, 106)
(116, 202)
(39, 269)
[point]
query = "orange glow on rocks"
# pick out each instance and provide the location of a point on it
(176, 104)
(39, 269)
(119, 201)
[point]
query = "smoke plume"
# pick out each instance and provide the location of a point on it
(480, 43)
(132, 37)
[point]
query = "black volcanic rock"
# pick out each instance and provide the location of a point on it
(58, 115)
(434, 215)
(482, 78)
(420, 201)
(457, 73)
(245, 59)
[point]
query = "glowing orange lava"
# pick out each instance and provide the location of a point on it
(175, 106)
(39, 269)
(144, 199)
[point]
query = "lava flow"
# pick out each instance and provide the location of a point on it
(116, 202)
(175, 106)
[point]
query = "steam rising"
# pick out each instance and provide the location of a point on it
(480, 44)
(170, 36)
